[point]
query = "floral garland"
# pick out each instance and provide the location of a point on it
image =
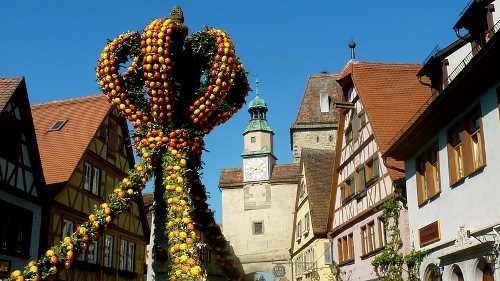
(160, 93)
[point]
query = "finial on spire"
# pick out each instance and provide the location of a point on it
(352, 45)
(256, 85)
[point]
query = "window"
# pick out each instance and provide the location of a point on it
(108, 250)
(208, 255)
(382, 236)
(324, 103)
(306, 223)
(92, 252)
(348, 189)
(427, 171)
(58, 125)
(345, 246)
(127, 255)
(348, 134)
(258, 228)
(131, 257)
(466, 153)
(15, 230)
(371, 170)
(368, 238)
(68, 228)
(302, 187)
(327, 254)
(317, 139)
(362, 119)
(252, 139)
(298, 231)
(92, 179)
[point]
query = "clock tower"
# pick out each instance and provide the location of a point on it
(258, 157)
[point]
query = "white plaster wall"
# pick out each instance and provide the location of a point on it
(474, 202)
(260, 251)
(496, 15)
(457, 57)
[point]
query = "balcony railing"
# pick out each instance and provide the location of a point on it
(470, 56)
(453, 75)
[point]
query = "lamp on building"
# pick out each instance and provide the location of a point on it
(437, 270)
(491, 257)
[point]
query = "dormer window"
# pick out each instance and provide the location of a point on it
(58, 125)
(324, 103)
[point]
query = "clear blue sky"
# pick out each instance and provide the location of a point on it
(55, 46)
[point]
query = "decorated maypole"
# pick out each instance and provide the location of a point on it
(174, 90)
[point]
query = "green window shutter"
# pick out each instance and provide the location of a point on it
(355, 127)
(352, 191)
(375, 167)
(328, 253)
(362, 181)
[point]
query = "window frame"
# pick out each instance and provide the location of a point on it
(92, 179)
(427, 170)
(108, 251)
(382, 234)
(345, 248)
(462, 153)
(255, 228)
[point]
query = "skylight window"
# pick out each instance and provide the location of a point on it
(58, 125)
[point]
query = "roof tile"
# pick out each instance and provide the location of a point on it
(61, 150)
(391, 95)
(318, 165)
(7, 88)
(309, 110)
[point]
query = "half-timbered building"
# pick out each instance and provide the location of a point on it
(377, 100)
(23, 208)
(452, 154)
(85, 151)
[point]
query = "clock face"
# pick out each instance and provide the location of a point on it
(255, 169)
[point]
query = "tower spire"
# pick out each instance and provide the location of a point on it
(256, 85)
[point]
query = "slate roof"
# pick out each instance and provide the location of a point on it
(391, 95)
(61, 150)
(318, 165)
(309, 113)
(283, 173)
(7, 88)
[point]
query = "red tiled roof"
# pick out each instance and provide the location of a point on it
(60, 151)
(391, 95)
(318, 165)
(233, 177)
(7, 88)
(309, 111)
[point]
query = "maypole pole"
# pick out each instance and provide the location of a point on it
(174, 91)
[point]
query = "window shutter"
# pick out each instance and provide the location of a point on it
(342, 193)
(362, 181)
(452, 168)
(328, 253)
(375, 167)
(468, 155)
(355, 127)
(352, 189)
(429, 178)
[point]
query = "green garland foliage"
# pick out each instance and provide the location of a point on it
(388, 265)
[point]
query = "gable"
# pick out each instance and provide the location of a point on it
(19, 159)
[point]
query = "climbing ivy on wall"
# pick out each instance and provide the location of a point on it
(389, 265)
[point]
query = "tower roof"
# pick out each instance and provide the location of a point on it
(257, 102)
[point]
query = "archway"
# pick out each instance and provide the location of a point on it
(483, 271)
(430, 273)
(258, 276)
(456, 274)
